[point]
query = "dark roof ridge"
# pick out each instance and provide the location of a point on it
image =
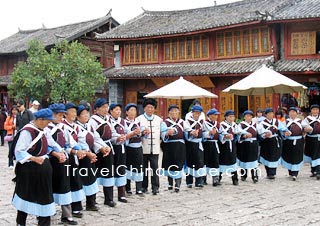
(62, 26)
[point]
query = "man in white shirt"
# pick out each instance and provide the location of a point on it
(150, 128)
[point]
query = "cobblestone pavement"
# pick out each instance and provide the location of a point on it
(278, 202)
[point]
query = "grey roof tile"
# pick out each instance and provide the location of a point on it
(157, 23)
(298, 65)
(49, 36)
(218, 67)
(299, 9)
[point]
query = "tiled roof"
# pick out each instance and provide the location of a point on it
(298, 65)
(218, 67)
(299, 9)
(153, 23)
(19, 41)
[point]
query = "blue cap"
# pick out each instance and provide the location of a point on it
(130, 105)
(172, 106)
(248, 112)
(213, 111)
(56, 108)
(71, 105)
(229, 112)
(82, 108)
(293, 109)
(113, 106)
(196, 108)
(45, 113)
(314, 106)
(99, 103)
(268, 110)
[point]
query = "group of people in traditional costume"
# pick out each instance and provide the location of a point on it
(65, 153)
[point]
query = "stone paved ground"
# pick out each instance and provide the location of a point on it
(279, 202)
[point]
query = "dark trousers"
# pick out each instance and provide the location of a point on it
(22, 218)
(121, 191)
(198, 181)
(293, 173)
(91, 200)
(153, 159)
(138, 185)
(108, 194)
(76, 206)
(271, 171)
(244, 173)
(177, 182)
(10, 154)
(234, 176)
(2, 134)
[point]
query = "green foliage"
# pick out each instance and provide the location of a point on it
(68, 72)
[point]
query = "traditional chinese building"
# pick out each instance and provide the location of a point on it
(13, 49)
(215, 47)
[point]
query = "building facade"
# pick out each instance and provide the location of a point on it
(215, 47)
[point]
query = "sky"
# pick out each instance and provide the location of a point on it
(33, 14)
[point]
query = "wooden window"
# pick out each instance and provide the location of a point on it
(126, 53)
(137, 53)
(189, 48)
(149, 52)
(205, 47)
(264, 40)
(241, 43)
(229, 46)
(167, 51)
(140, 53)
(303, 43)
(143, 52)
(182, 49)
(255, 40)
(155, 52)
(132, 53)
(196, 44)
(237, 43)
(174, 49)
(246, 41)
(196, 47)
(220, 39)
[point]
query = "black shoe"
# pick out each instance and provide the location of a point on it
(77, 215)
(199, 185)
(235, 182)
(205, 183)
(177, 190)
(271, 177)
(129, 192)
(155, 191)
(122, 199)
(67, 221)
(170, 187)
(313, 175)
(294, 178)
(92, 208)
(110, 203)
(216, 183)
(140, 193)
(144, 190)
(189, 185)
(243, 178)
(255, 179)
